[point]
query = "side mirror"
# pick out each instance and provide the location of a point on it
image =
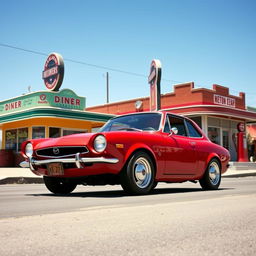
(174, 130)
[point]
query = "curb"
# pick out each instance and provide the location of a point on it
(21, 180)
(39, 180)
(239, 175)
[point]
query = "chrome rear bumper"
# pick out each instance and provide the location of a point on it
(77, 160)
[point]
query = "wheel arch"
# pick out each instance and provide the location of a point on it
(211, 157)
(141, 149)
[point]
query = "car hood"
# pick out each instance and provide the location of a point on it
(70, 140)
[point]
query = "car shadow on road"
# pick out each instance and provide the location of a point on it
(121, 193)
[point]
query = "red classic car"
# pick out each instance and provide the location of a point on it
(135, 150)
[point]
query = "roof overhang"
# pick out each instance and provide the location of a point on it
(54, 112)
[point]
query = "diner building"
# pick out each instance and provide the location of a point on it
(43, 114)
(215, 110)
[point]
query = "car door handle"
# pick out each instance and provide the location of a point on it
(193, 144)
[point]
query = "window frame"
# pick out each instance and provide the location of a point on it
(185, 120)
(168, 116)
(191, 123)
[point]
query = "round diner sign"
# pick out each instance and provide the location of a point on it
(53, 72)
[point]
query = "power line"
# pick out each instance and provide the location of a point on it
(22, 49)
(99, 66)
(81, 62)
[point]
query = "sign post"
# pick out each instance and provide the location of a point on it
(154, 80)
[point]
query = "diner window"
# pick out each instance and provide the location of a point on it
(22, 136)
(69, 132)
(54, 132)
(38, 132)
(214, 134)
(11, 139)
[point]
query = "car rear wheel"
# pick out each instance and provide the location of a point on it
(212, 177)
(138, 176)
(58, 185)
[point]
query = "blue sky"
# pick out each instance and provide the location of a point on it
(196, 40)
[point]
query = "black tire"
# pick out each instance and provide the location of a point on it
(138, 176)
(58, 185)
(212, 176)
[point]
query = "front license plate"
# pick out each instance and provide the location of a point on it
(55, 169)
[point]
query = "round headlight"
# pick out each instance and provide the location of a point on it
(100, 143)
(29, 150)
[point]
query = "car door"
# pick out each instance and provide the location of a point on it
(180, 153)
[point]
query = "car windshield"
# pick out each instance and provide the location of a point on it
(135, 122)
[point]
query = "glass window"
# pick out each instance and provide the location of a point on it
(178, 122)
(38, 132)
(11, 139)
(69, 132)
(234, 124)
(192, 130)
(225, 139)
(214, 134)
(95, 129)
(197, 120)
(54, 132)
(22, 136)
(167, 126)
(214, 121)
(225, 123)
(146, 122)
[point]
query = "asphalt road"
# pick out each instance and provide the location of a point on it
(177, 219)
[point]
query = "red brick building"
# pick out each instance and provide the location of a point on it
(215, 110)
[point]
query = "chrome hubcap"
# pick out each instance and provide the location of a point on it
(142, 172)
(214, 173)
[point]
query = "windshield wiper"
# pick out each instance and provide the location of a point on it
(130, 129)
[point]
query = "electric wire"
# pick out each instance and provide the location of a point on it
(81, 62)
(102, 67)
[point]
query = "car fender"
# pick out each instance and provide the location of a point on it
(210, 157)
(137, 147)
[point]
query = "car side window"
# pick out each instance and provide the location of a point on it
(192, 130)
(178, 122)
(167, 126)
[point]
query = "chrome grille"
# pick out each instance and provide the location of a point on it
(57, 152)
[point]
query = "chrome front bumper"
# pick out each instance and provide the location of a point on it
(76, 160)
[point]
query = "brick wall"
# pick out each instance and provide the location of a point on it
(183, 95)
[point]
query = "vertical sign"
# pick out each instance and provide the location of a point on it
(154, 80)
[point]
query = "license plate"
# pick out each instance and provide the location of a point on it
(55, 169)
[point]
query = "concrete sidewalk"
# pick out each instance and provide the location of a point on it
(24, 175)
(18, 175)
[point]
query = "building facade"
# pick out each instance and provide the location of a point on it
(215, 110)
(44, 114)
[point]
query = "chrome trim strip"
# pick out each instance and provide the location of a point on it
(77, 160)
(52, 156)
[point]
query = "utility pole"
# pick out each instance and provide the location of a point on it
(107, 79)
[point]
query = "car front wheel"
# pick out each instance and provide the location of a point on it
(212, 177)
(58, 185)
(138, 176)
